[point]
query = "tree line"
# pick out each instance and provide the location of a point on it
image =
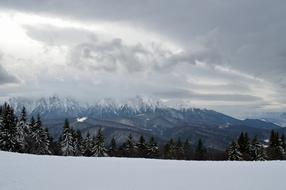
(17, 134)
(246, 149)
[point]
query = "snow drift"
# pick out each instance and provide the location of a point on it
(33, 172)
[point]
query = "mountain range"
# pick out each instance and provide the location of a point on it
(143, 116)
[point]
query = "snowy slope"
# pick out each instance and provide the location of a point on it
(31, 172)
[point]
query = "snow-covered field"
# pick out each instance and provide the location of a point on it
(31, 172)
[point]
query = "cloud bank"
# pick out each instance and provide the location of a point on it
(220, 54)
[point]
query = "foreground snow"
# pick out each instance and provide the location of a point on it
(31, 172)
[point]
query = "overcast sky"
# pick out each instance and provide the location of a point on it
(226, 55)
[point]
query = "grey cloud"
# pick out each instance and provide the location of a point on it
(247, 36)
(5, 77)
(52, 35)
(89, 51)
(187, 94)
(115, 55)
(250, 33)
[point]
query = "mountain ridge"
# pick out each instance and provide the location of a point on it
(142, 116)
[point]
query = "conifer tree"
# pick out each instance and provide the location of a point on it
(130, 148)
(244, 145)
(187, 149)
(233, 152)
(44, 146)
(22, 127)
(200, 152)
(112, 148)
(67, 145)
(39, 142)
(142, 147)
(77, 141)
(283, 142)
(257, 152)
(152, 148)
(169, 150)
(275, 149)
(8, 130)
(87, 145)
(99, 147)
(32, 121)
(179, 150)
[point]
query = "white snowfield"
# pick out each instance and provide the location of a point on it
(32, 172)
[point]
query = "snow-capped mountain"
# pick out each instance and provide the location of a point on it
(139, 109)
(51, 107)
(278, 118)
(139, 116)
(55, 106)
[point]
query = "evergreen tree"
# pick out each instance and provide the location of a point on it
(67, 142)
(112, 148)
(233, 152)
(99, 148)
(187, 150)
(167, 151)
(88, 145)
(21, 127)
(78, 146)
(142, 147)
(55, 146)
(29, 131)
(39, 142)
(200, 152)
(44, 144)
(283, 142)
(32, 121)
(170, 150)
(130, 148)
(179, 150)
(8, 130)
(257, 151)
(275, 149)
(244, 146)
(152, 149)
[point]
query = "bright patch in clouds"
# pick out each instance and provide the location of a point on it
(44, 54)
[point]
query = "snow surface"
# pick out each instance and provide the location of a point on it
(32, 172)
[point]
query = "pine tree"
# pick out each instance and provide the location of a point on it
(179, 150)
(152, 149)
(88, 145)
(22, 127)
(112, 148)
(77, 141)
(233, 152)
(257, 152)
(244, 146)
(44, 146)
(39, 141)
(8, 130)
(169, 150)
(130, 148)
(142, 147)
(32, 121)
(67, 145)
(99, 148)
(200, 152)
(275, 149)
(283, 142)
(187, 150)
